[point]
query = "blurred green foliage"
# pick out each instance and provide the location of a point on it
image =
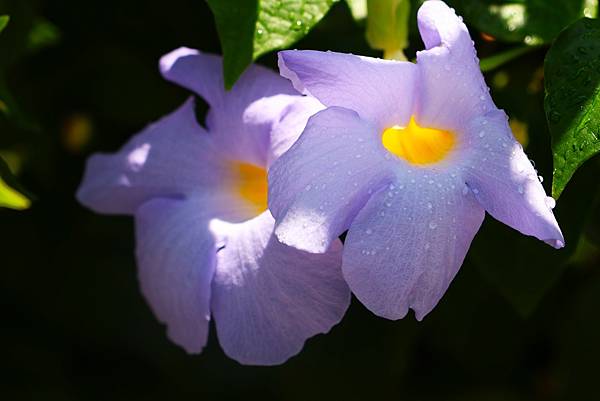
(528, 21)
(387, 26)
(518, 323)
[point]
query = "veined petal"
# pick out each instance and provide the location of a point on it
(381, 91)
(318, 186)
(452, 90)
(505, 182)
(407, 244)
(269, 298)
(244, 136)
(176, 256)
(169, 158)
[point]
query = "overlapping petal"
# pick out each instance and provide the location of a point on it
(452, 90)
(381, 91)
(318, 186)
(505, 182)
(118, 183)
(408, 242)
(269, 298)
(176, 254)
(243, 134)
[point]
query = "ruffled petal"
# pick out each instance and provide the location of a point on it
(407, 244)
(269, 298)
(176, 256)
(505, 182)
(243, 135)
(168, 158)
(452, 90)
(318, 186)
(381, 91)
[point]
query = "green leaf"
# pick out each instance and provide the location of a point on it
(387, 26)
(10, 197)
(572, 102)
(250, 28)
(3, 21)
(529, 21)
(236, 24)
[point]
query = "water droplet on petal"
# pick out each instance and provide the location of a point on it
(520, 189)
(482, 134)
(433, 225)
(369, 231)
(308, 187)
(550, 202)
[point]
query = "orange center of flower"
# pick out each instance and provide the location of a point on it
(251, 185)
(416, 144)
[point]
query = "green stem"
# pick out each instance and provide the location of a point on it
(495, 61)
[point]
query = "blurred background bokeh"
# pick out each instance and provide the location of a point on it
(520, 321)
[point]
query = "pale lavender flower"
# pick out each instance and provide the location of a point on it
(204, 237)
(407, 158)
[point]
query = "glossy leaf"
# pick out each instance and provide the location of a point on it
(528, 21)
(572, 102)
(250, 28)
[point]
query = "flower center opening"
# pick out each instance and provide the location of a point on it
(416, 144)
(251, 185)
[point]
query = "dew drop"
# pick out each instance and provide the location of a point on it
(520, 189)
(433, 225)
(550, 202)
(308, 187)
(368, 231)
(482, 134)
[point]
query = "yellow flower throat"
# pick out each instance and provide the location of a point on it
(251, 185)
(416, 144)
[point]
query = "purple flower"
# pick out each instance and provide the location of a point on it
(406, 157)
(204, 237)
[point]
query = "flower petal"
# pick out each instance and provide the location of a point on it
(407, 244)
(505, 182)
(168, 158)
(176, 257)
(452, 90)
(269, 298)
(318, 186)
(244, 136)
(381, 91)
(293, 119)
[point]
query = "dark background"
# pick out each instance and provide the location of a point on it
(75, 327)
